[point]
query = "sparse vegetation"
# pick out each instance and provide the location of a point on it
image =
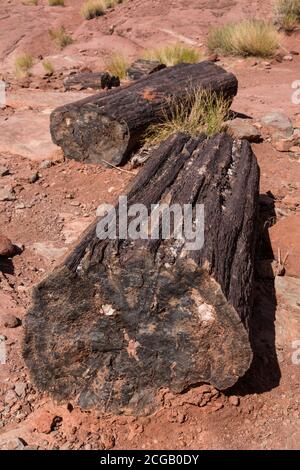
(174, 54)
(31, 2)
(56, 3)
(60, 37)
(204, 111)
(23, 64)
(246, 38)
(117, 65)
(92, 8)
(48, 67)
(287, 14)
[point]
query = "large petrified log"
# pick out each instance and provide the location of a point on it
(121, 319)
(107, 126)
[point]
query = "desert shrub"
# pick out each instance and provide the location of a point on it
(203, 111)
(92, 8)
(56, 3)
(174, 54)
(246, 38)
(48, 67)
(23, 64)
(60, 37)
(31, 2)
(117, 65)
(287, 14)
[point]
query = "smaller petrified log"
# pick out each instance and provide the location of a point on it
(109, 126)
(94, 80)
(142, 67)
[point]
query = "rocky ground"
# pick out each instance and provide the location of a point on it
(46, 202)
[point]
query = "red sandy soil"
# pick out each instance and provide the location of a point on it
(262, 411)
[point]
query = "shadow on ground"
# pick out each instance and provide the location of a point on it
(264, 373)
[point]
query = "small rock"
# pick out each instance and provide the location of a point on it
(13, 444)
(33, 178)
(289, 289)
(280, 125)
(295, 149)
(217, 407)
(213, 58)
(10, 397)
(234, 401)
(46, 164)
(10, 321)
(294, 52)
(4, 171)
(279, 57)
(243, 129)
(20, 206)
(7, 193)
(7, 248)
(44, 422)
(20, 388)
(283, 145)
(288, 57)
(107, 440)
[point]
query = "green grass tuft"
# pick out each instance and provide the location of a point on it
(56, 3)
(60, 37)
(287, 14)
(174, 54)
(48, 67)
(203, 111)
(23, 64)
(117, 65)
(246, 38)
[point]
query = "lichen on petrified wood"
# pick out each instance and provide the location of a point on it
(121, 319)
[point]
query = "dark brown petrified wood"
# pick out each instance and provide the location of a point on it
(94, 80)
(108, 126)
(121, 319)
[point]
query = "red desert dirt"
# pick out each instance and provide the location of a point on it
(134, 344)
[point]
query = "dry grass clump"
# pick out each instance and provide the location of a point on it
(48, 67)
(174, 54)
(23, 64)
(203, 111)
(287, 14)
(56, 3)
(31, 2)
(246, 38)
(117, 65)
(60, 37)
(93, 8)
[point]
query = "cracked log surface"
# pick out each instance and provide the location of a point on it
(108, 126)
(121, 319)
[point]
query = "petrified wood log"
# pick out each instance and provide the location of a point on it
(94, 80)
(121, 319)
(107, 126)
(142, 67)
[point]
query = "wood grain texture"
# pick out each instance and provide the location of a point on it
(121, 319)
(108, 126)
